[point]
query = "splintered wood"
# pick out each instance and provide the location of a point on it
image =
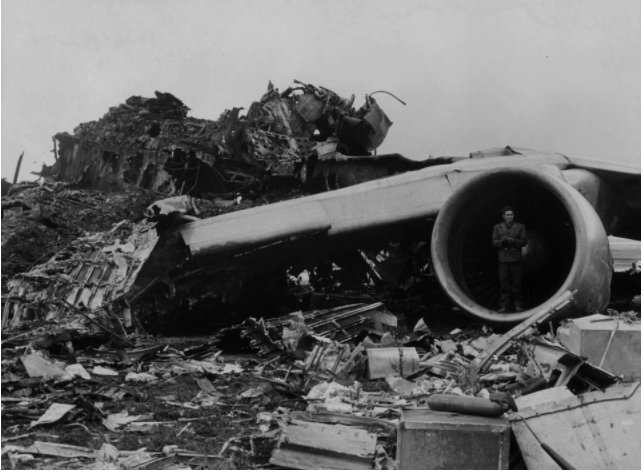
(324, 447)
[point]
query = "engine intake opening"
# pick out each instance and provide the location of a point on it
(548, 255)
(567, 245)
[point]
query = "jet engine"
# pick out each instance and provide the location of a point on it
(567, 245)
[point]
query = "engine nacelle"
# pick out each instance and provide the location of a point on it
(567, 245)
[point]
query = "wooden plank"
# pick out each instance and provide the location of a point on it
(340, 418)
(337, 438)
(324, 447)
(302, 461)
(60, 450)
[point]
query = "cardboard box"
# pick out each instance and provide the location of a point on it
(440, 440)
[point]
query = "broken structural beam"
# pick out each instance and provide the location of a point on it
(15, 175)
(502, 343)
(107, 330)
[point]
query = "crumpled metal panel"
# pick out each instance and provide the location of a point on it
(154, 144)
(341, 324)
(280, 153)
(101, 269)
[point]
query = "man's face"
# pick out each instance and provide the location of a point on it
(508, 216)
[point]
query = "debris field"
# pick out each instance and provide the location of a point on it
(353, 359)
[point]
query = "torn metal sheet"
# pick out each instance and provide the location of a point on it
(60, 450)
(54, 413)
(37, 366)
(334, 170)
(101, 269)
(341, 324)
(597, 430)
(368, 128)
(560, 367)
(152, 143)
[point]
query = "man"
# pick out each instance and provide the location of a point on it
(509, 237)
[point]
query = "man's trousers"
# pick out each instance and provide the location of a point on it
(510, 274)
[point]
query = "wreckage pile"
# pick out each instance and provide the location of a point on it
(94, 272)
(358, 362)
(39, 221)
(151, 143)
(334, 388)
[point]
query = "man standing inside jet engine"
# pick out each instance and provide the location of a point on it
(509, 237)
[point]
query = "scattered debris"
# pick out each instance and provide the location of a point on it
(55, 413)
(359, 362)
(357, 400)
(502, 343)
(37, 366)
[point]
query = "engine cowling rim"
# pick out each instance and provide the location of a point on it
(588, 231)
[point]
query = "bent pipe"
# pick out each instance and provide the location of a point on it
(567, 245)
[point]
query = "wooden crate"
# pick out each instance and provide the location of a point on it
(440, 440)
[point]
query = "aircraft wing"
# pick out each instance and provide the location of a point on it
(625, 179)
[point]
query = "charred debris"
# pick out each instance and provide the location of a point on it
(338, 388)
(110, 179)
(285, 138)
(332, 363)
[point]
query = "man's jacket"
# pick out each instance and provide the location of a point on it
(509, 252)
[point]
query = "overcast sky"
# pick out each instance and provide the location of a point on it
(560, 75)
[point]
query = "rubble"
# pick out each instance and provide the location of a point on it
(39, 221)
(358, 361)
(354, 369)
(152, 143)
(310, 388)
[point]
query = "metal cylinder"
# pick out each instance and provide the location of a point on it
(465, 405)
